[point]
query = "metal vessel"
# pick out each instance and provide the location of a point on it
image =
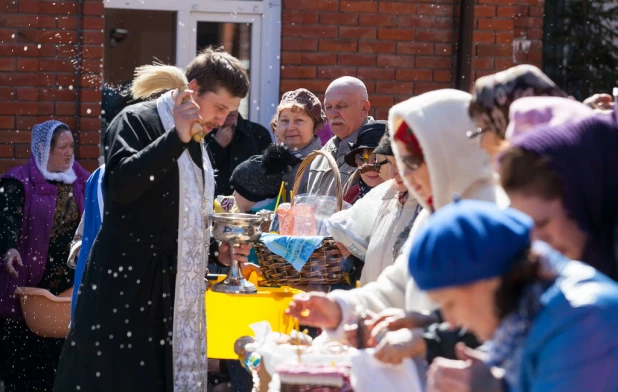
(235, 229)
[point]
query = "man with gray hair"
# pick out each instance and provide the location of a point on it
(347, 107)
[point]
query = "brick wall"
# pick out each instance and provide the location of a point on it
(399, 48)
(506, 33)
(50, 70)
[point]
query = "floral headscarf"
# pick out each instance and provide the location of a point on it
(493, 95)
(41, 148)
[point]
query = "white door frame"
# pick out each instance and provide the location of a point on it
(265, 40)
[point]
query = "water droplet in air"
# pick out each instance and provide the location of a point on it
(88, 111)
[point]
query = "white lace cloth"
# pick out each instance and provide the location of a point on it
(196, 200)
(41, 148)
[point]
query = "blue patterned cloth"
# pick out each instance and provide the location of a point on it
(93, 219)
(296, 250)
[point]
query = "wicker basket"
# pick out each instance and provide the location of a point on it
(324, 265)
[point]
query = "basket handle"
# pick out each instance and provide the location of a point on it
(353, 178)
(334, 168)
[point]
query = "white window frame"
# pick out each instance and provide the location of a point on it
(265, 40)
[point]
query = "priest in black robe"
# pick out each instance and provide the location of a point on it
(139, 324)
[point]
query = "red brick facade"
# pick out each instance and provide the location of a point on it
(50, 67)
(51, 56)
(401, 48)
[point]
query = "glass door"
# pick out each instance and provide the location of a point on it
(133, 38)
(239, 36)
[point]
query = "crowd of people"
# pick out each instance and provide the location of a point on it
(491, 261)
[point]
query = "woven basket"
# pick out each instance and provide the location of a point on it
(324, 265)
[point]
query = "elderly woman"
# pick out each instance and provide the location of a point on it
(41, 204)
(564, 177)
(493, 95)
(299, 116)
(548, 325)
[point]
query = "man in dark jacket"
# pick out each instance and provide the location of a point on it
(232, 144)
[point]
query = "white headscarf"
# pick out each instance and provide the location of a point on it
(41, 148)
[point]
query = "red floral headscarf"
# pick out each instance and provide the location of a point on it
(405, 135)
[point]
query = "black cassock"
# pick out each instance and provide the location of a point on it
(121, 335)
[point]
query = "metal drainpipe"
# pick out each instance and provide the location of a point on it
(79, 48)
(465, 45)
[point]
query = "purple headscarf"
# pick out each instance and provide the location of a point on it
(529, 112)
(584, 154)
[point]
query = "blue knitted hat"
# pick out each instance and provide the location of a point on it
(468, 241)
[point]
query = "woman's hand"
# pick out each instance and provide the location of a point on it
(467, 374)
(395, 319)
(12, 256)
(398, 345)
(315, 310)
(344, 252)
(351, 331)
(246, 269)
(241, 253)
